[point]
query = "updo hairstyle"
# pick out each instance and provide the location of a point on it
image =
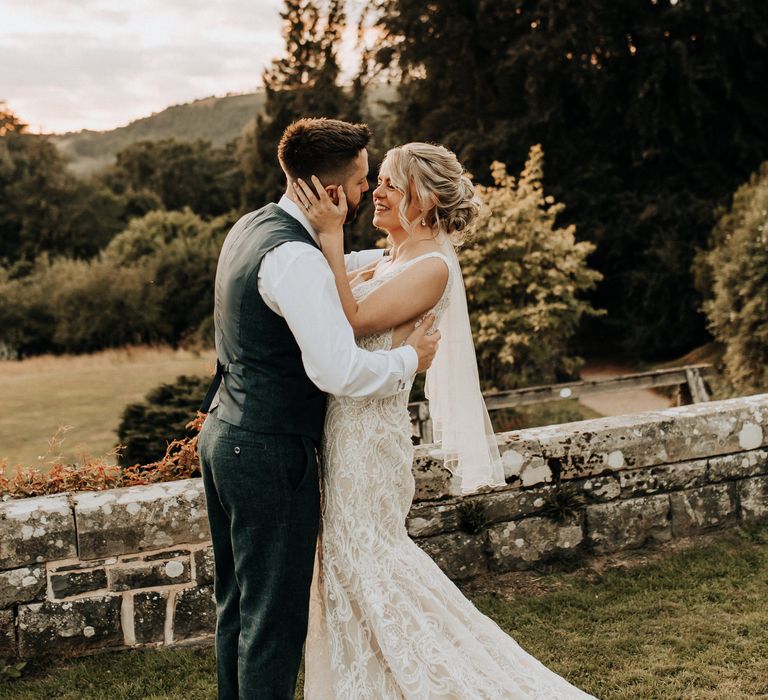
(441, 186)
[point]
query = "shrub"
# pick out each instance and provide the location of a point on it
(26, 316)
(473, 517)
(524, 276)
(75, 306)
(100, 304)
(146, 427)
(150, 235)
(733, 274)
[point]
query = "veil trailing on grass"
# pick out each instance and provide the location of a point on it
(460, 419)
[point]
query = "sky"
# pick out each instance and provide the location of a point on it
(98, 64)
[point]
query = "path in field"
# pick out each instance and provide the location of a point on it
(619, 402)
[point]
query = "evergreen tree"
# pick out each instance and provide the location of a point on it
(302, 83)
(147, 427)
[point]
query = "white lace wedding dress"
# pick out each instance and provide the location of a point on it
(385, 622)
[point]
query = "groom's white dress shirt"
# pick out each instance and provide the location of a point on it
(296, 282)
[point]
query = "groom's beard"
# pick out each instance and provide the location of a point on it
(352, 211)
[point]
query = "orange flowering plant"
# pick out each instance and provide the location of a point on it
(179, 462)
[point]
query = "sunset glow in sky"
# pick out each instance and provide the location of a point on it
(98, 64)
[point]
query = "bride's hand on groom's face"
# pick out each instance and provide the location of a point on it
(326, 215)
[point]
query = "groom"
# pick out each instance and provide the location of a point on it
(282, 344)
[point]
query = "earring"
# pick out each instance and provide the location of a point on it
(423, 223)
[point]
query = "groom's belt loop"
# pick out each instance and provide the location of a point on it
(221, 370)
(231, 368)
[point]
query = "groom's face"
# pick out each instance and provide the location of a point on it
(356, 184)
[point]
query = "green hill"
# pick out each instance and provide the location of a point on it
(215, 119)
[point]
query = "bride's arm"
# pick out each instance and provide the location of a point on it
(401, 299)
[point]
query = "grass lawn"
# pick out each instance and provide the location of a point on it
(539, 414)
(86, 392)
(691, 625)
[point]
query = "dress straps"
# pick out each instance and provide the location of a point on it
(405, 265)
(433, 254)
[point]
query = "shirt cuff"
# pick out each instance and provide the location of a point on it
(361, 258)
(410, 365)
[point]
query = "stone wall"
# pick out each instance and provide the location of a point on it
(128, 567)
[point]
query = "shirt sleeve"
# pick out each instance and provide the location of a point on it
(361, 258)
(296, 282)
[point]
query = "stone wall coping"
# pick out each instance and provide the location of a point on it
(88, 501)
(23, 509)
(610, 444)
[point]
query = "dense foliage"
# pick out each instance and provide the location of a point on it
(733, 274)
(153, 283)
(650, 111)
(175, 174)
(43, 207)
(524, 277)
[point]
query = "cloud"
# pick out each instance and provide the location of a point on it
(90, 64)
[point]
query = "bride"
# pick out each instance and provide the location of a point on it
(385, 622)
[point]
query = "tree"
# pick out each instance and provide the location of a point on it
(153, 283)
(10, 122)
(151, 234)
(44, 209)
(178, 174)
(525, 277)
(302, 83)
(733, 275)
(650, 113)
(181, 249)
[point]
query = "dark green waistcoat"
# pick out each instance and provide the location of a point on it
(264, 386)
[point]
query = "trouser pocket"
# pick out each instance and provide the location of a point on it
(303, 467)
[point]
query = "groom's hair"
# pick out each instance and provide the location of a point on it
(322, 147)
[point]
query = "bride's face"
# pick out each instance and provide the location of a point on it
(386, 200)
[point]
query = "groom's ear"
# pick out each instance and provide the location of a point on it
(333, 192)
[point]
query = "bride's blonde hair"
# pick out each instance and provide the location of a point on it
(441, 186)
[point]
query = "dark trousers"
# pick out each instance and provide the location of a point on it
(263, 504)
